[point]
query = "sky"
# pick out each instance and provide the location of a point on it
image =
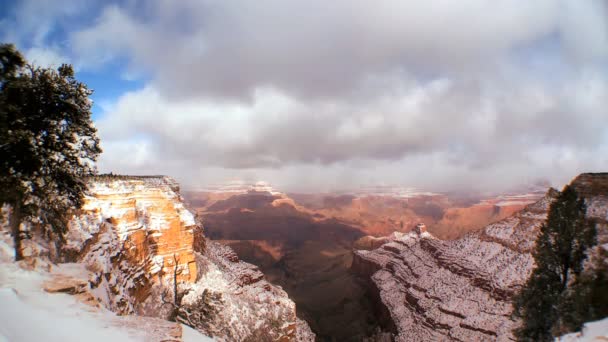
(316, 95)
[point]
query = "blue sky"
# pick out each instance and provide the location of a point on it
(315, 95)
(108, 84)
(107, 80)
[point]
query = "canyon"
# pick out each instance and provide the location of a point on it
(305, 242)
(266, 265)
(461, 290)
(143, 253)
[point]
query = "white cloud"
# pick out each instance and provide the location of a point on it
(333, 94)
(584, 29)
(454, 133)
(32, 25)
(112, 36)
(308, 48)
(46, 57)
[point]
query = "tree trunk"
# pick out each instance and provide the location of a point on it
(15, 223)
(565, 273)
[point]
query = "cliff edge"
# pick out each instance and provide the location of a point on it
(144, 253)
(461, 290)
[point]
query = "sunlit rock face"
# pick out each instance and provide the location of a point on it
(134, 232)
(135, 235)
(461, 290)
(150, 217)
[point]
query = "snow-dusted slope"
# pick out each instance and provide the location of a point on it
(29, 314)
(461, 290)
(134, 235)
(130, 232)
(247, 307)
(591, 332)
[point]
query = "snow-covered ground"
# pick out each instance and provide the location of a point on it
(592, 331)
(28, 313)
(240, 186)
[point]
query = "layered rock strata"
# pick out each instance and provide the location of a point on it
(234, 294)
(135, 237)
(133, 233)
(461, 290)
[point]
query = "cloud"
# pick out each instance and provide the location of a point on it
(35, 25)
(585, 30)
(465, 130)
(318, 94)
(311, 48)
(46, 57)
(111, 37)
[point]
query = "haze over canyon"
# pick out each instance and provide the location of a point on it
(305, 242)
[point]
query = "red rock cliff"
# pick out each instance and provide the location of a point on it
(134, 233)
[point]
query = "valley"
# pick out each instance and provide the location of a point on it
(289, 270)
(305, 242)
(303, 171)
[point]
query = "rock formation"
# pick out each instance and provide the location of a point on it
(246, 307)
(376, 213)
(130, 233)
(145, 254)
(460, 290)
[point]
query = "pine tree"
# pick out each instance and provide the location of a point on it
(587, 298)
(559, 255)
(48, 143)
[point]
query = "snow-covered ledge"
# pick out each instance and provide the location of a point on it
(592, 331)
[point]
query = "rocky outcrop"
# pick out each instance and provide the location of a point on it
(234, 301)
(461, 290)
(61, 307)
(591, 185)
(135, 237)
(132, 233)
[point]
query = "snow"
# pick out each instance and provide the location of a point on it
(28, 313)
(241, 187)
(185, 215)
(427, 235)
(393, 191)
(213, 280)
(592, 331)
(191, 335)
(53, 318)
(242, 301)
(421, 278)
(111, 200)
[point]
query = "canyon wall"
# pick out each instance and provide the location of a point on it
(130, 232)
(461, 290)
(135, 236)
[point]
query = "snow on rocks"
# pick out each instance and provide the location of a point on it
(134, 233)
(592, 331)
(461, 290)
(40, 305)
(132, 236)
(130, 233)
(454, 290)
(235, 293)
